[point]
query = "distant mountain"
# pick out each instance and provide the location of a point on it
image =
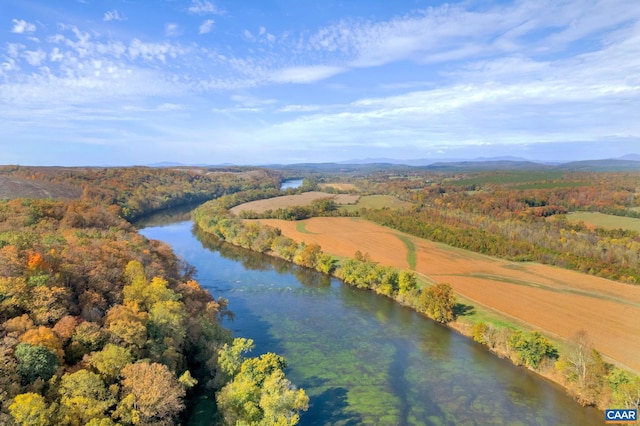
(480, 165)
(632, 157)
(611, 165)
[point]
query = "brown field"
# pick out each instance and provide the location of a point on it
(339, 186)
(15, 187)
(285, 201)
(556, 301)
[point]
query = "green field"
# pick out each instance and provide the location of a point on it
(552, 177)
(607, 221)
(377, 202)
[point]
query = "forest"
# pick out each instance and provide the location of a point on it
(100, 326)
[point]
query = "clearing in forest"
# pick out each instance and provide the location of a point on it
(339, 186)
(607, 221)
(285, 201)
(378, 202)
(553, 300)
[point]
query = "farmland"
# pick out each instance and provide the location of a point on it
(305, 199)
(606, 221)
(377, 202)
(556, 301)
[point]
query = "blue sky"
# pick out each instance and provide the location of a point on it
(284, 81)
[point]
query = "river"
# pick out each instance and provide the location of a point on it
(362, 358)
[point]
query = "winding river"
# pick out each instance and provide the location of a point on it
(362, 358)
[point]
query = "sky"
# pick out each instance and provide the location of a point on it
(97, 82)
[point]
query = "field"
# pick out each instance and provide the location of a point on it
(15, 187)
(378, 202)
(556, 301)
(285, 201)
(339, 186)
(607, 221)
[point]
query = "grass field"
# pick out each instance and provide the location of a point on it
(513, 177)
(607, 221)
(377, 202)
(556, 301)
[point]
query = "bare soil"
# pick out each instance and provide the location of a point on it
(14, 187)
(285, 201)
(556, 301)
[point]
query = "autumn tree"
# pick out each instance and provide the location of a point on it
(83, 397)
(582, 365)
(151, 393)
(438, 302)
(30, 409)
(258, 393)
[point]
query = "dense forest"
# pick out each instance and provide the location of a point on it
(100, 326)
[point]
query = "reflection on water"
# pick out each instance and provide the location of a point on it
(291, 183)
(362, 358)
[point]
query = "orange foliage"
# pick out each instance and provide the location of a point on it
(44, 336)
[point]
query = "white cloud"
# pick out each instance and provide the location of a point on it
(206, 26)
(21, 26)
(305, 74)
(113, 15)
(167, 106)
(171, 29)
(35, 57)
(202, 7)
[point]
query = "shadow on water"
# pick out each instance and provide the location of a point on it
(330, 407)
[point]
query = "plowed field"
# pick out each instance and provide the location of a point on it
(554, 300)
(285, 201)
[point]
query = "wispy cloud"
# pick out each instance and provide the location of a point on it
(113, 15)
(21, 26)
(206, 26)
(308, 74)
(172, 29)
(203, 7)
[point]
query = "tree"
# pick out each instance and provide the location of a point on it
(532, 347)
(153, 392)
(583, 365)
(35, 361)
(438, 302)
(406, 282)
(30, 409)
(259, 392)
(84, 397)
(110, 360)
(280, 401)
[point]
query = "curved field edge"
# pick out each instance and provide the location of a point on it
(556, 301)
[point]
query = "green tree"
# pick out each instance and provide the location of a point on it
(35, 361)
(110, 360)
(532, 347)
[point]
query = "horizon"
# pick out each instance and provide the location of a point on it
(290, 82)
